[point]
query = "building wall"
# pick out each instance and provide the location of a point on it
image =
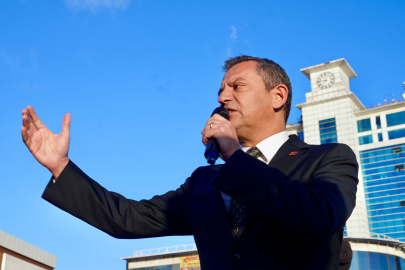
(10, 262)
(164, 261)
(153, 263)
(343, 110)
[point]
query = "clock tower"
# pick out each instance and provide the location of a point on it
(329, 79)
(328, 116)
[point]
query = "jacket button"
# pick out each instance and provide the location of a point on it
(236, 257)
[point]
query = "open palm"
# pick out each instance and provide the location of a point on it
(49, 149)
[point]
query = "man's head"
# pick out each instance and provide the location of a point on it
(257, 93)
(270, 72)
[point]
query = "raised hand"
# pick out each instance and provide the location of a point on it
(49, 149)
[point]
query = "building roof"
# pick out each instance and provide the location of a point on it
(342, 63)
(30, 251)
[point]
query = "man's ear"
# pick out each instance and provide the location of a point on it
(280, 96)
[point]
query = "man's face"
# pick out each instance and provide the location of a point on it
(244, 94)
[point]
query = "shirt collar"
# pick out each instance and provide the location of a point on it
(270, 146)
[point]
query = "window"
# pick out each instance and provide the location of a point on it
(363, 125)
(378, 122)
(399, 167)
(380, 138)
(366, 139)
(301, 135)
(395, 134)
(394, 119)
(327, 130)
(396, 150)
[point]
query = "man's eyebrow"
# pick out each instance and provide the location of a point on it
(235, 80)
(230, 83)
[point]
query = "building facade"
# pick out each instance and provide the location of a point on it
(332, 113)
(15, 254)
(183, 257)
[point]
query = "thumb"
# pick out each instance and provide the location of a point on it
(66, 124)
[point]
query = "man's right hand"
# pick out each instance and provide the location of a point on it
(49, 149)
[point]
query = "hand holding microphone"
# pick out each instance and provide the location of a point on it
(219, 136)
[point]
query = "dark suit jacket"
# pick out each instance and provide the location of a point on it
(346, 255)
(296, 208)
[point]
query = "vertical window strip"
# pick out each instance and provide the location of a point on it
(366, 139)
(363, 125)
(378, 122)
(327, 130)
(301, 135)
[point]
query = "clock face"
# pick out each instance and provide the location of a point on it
(325, 80)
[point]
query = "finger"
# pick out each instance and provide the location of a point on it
(35, 119)
(211, 123)
(217, 117)
(29, 127)
(208, 134)
(66, 124)
(25, 137)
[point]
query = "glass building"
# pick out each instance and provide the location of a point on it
(363, 260)
(384, 186)
(376, 135)
(379, 253)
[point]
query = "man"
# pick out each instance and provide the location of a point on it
(277, 203)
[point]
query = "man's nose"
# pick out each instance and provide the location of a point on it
(225, 96)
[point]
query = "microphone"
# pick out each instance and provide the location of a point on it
(212, 149)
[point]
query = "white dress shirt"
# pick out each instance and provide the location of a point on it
(269, 148)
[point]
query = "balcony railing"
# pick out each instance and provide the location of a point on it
(383, 104)
(158, 251)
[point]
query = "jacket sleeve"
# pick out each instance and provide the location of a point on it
(313, 212)
(79, 195)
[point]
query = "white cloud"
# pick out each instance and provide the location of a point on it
(94, 5)
(8, 59)
(234, 34)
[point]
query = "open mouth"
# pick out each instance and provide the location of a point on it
(231, 111)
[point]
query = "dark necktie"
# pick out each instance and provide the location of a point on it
(236, 209)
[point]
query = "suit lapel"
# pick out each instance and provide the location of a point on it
(288, 153)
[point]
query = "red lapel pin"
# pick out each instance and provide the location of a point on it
(293, 153)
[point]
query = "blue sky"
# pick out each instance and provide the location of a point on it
(140, 79)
